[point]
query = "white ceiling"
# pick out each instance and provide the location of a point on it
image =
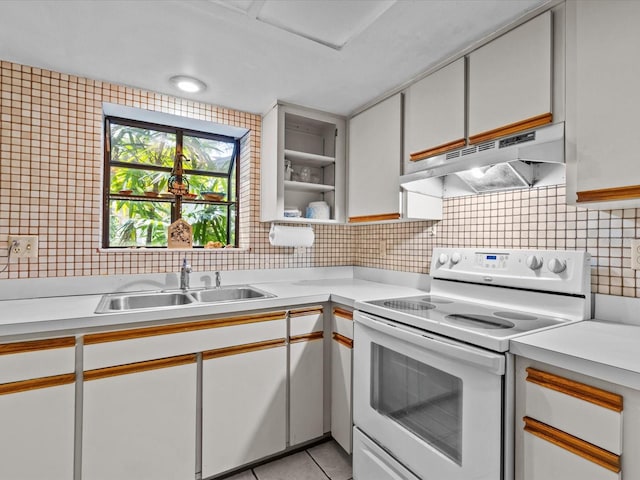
(334, 55)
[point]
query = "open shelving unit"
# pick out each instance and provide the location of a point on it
(309, 140)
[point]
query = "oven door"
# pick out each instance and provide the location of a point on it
(434, 404)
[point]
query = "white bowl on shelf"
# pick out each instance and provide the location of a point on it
(318, 211)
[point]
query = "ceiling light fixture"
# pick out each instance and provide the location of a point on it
(188, 84)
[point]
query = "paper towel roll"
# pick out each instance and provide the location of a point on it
(282, 236)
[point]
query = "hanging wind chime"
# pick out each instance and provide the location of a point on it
(178, 184)
(180, 233)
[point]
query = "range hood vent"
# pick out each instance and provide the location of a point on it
(524, 160)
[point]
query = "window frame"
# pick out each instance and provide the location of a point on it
(176, 202)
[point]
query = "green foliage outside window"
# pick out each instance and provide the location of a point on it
(139, 161)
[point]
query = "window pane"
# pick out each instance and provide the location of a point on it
(232, 225)
(137, 180)
(207, 154)
(209, 222)
(202, 183)
(233, 187)
(138, 223)
(142, 145)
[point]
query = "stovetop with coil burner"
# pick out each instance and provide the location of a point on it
(485, 298)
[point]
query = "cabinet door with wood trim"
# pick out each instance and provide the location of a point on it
(341, 377)
(434, 114)
(139, 420)
(509, 82)
(375, 149)
(570, 429)
(37, 405)
(306, 374)
(243, 403)
(603, 98)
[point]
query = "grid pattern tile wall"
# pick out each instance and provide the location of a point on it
(51, 171)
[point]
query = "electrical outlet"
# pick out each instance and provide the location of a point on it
(635, 254)
(383, 248)
(23, 246)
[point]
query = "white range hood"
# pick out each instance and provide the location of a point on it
(523, 160)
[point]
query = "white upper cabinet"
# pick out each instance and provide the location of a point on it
(509, 82)
(302, 161)
(434, 113)
(603, 100)
(375, 146)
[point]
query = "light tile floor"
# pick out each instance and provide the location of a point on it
(321, 462)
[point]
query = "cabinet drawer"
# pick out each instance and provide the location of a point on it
(565, 404)
(305, 321)
(342, 322)
(36, 359)
(550, 454)
(139, 345)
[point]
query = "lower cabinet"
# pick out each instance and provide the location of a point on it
(306, 375)
(243, 405)
(341, 377)
(176, 401)
(139, 421)
(572, 426)
(37, 409)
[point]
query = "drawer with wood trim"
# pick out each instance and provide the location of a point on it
(342, 322)
(142, 344)
(304, 321)
(566, 405)
(36, 359)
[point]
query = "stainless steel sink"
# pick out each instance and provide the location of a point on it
(121, 302)
(135, 301)
(229, 294)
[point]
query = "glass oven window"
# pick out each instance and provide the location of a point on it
(424, 400)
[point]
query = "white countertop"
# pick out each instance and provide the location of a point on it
(606, 350)
(54, 315)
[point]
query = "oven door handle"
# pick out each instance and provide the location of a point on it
(489, 361)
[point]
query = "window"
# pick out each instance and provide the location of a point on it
(138, 208)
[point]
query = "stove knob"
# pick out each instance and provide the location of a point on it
(556, 265)
(443, 258)
(534, 262)
(455, 258)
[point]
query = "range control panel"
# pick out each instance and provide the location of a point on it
(492, 261)
(565, 271)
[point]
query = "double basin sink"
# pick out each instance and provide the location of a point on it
(121, 302)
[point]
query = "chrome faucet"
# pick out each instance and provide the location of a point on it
(218, 280)
(184, 275)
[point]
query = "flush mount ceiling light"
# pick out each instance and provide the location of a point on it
(188, 84)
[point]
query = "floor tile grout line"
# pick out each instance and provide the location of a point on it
(314, 461)
(255, 475)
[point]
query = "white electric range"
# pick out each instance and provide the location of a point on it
(433, 379)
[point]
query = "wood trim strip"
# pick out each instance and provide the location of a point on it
(631, 192)
(439, 150)
(37, 345)
(575, 445)
(37, 383)
(597, 396)
(374, 218)
(246, 348)
(301, 312)
(511, 128)
(341, 312)
(307, 337)
(139, 367)
(119, 335)
(342, 340)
